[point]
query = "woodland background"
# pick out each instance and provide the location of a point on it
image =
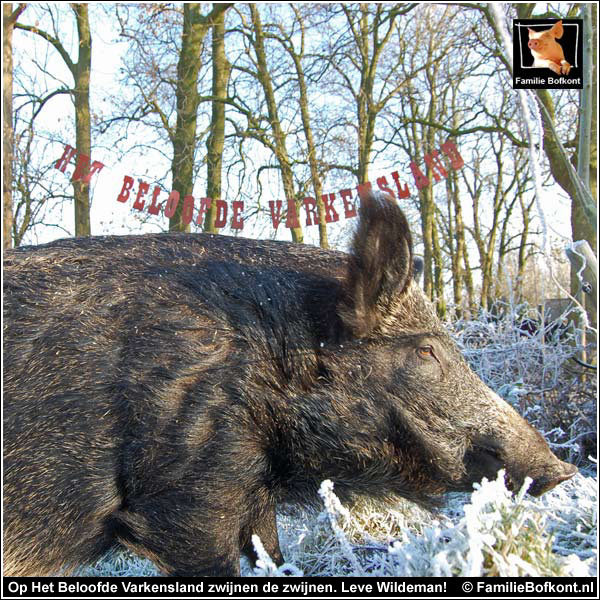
(261, 102)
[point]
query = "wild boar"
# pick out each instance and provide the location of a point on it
(166, 392)
(546, 51)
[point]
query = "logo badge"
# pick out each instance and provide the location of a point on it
(548, 53)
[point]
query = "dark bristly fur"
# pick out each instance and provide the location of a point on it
(166, 392)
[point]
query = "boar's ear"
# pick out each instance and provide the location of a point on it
(380, 265)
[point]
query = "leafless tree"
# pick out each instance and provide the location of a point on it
(80, 92)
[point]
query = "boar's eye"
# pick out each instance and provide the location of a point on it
(425, 352)
(424, 360)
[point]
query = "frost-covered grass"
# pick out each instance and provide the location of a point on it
(490, 532)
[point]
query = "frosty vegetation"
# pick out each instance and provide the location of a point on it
(491, 532)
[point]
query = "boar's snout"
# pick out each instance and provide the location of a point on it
(521, 450)
(535, 460)
(544, 469)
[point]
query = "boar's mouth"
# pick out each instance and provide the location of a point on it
(485, 460)
(546, 482)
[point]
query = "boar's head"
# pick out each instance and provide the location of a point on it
(413, 414)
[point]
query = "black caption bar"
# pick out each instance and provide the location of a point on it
(296, 587)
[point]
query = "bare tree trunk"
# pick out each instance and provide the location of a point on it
(83, 131)
(184, 139)
(469, 285)
(195, 28)
(312, 161)
(281, 152)
(427, 219)
(522, 257)
(438, 280)
(436, 252)
(501, 280)
(457, 235)
(311, 146)
(487, 246)
(9, 19)
(362, 109)
(216, 139)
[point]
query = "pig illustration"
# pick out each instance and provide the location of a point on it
(166, 392)
(546, 51)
